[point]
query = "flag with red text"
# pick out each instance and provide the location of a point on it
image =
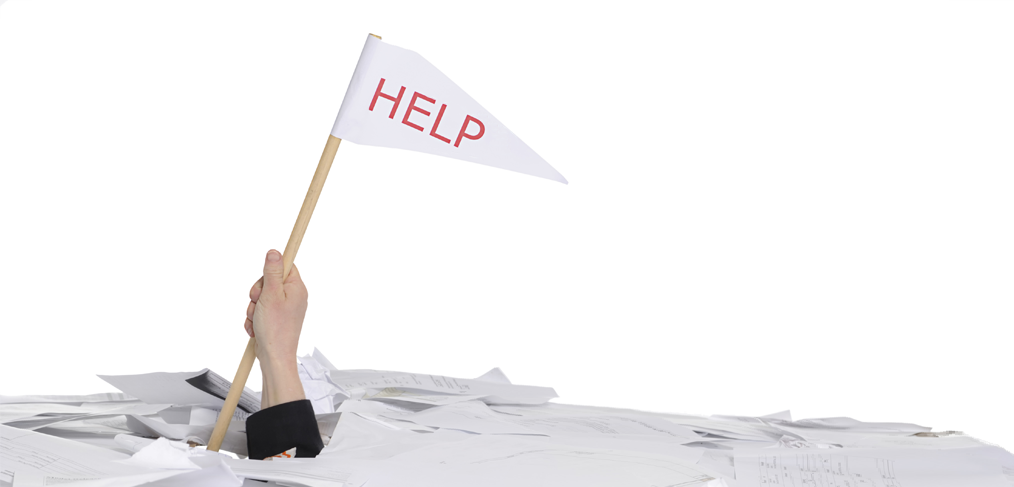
(398, 99)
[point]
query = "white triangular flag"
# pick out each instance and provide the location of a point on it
(398, 99)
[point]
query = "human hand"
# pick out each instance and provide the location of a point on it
(275, 317)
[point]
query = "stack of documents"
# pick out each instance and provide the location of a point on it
(389, 429)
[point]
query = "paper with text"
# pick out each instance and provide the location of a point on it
(398, 99)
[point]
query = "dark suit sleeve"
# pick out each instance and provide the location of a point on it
(279, 428)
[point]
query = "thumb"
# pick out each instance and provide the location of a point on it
(273, 270)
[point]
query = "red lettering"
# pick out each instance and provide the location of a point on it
(389, 97)
(469, 118)
(411, 107)
(433, 131)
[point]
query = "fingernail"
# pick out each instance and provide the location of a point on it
(274, 256)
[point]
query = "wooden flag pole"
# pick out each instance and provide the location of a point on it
(302, 221)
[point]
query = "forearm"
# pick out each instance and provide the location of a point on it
(281, 381)
(264, 390)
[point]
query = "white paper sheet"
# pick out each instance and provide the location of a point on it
(72, 400)
(496, 393)
(374, 408)
(360, 439)
(730, 429)
(219, 475)
(920, 442)
(392, 394)
(495, 375)
(471, 416)
(205, 388)
(493, 461)
(235, 436)
(837, 437)
(85, 411)
(869, 468)
(121, 481)
(632, 444)
(99, 426)
(317, 387)
(605, 425)
(849, 424)
(311, 472)
(35, 458)
(163, 454)
(17, 411)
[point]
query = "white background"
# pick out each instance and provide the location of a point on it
(773, 205)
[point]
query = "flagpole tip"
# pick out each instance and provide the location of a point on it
(375, 35)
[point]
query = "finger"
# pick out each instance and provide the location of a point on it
(255, 290)
(294, 284)
(273, 269)
(250, 310)
(248, 326)
(293, 275)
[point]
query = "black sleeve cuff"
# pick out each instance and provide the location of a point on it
(279, 428)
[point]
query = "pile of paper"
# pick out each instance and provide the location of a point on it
(388, 429)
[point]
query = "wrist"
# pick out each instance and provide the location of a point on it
(279, 368)
(281, 381)
(281, 362)
(272, 355)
